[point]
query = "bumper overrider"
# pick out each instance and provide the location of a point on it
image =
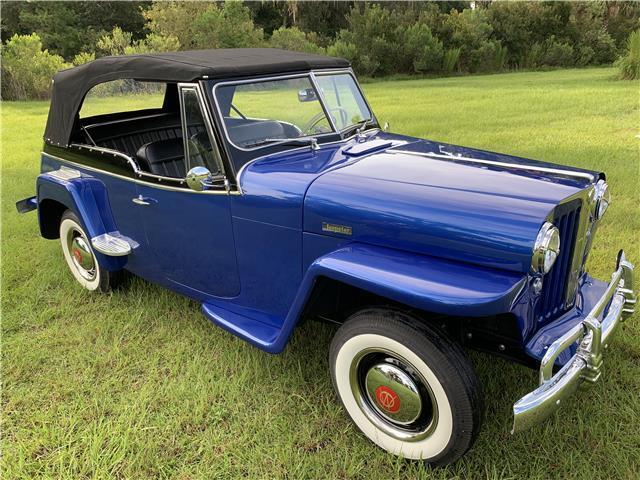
(584, 368)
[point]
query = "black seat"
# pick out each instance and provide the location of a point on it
(163, 157)
(254, 132)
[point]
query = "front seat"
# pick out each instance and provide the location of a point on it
(163, 157)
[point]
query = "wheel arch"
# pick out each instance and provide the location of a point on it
(475, 305)
(87, 198)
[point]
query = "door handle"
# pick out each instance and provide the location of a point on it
(140, 200)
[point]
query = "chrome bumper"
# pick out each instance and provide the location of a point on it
(584, 367)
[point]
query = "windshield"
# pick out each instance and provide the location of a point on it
(288, 110)
(343, 100)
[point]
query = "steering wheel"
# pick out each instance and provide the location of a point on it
(321, 116)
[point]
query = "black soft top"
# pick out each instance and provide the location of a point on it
(70, 86)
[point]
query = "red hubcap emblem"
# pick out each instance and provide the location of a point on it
(77, 254)
(387, 399)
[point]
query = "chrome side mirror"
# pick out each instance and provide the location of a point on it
(198, 178)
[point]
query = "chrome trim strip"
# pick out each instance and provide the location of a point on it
(323, 103)
(585, 365)
(580, 243)
(311, 74)
(257, 80)
(139, 182)
(207, 119)
(515, 166)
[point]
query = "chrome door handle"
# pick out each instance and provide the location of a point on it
(140, 200)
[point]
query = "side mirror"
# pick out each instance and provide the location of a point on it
(307, 95)
(198, 178)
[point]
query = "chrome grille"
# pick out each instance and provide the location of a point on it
(554, 296)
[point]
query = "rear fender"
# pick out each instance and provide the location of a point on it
(87, 198)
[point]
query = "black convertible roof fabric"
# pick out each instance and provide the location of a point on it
(70, 86)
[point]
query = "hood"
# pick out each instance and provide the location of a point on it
(400, 198)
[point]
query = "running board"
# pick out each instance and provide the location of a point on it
(256, 332)
(113, 244)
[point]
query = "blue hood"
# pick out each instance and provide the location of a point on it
(400, 198)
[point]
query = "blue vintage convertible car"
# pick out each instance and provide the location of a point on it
(262, 185)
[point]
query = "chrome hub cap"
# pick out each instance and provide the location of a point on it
(81, 255)
(393, 395)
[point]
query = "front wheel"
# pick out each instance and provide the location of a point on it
(410, 389)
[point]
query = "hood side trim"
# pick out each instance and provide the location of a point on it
(515, 166)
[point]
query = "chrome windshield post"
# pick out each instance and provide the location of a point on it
(322, 100)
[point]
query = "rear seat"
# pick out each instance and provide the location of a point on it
(163, 157)
(129, 134)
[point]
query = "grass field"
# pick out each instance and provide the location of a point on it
(137, 384)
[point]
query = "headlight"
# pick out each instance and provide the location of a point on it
(546, 249)
(603, 199)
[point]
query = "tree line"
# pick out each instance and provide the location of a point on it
(380, 39)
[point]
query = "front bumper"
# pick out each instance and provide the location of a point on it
(584, 367)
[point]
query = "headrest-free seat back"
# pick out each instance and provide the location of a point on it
(248, 134)
(163, 157)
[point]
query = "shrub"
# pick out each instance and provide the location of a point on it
(205, 25)
(450, 59)
(422, 48)
(83, 57)
(114, 43)
(361, 63)
(557, 53)
(228, 27)
(629, 64)
(293, 39)
(27, 69)
(154, 42)
(469, 31)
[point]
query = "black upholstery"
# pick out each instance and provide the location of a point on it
(250, 133)
(164, 157)
(129, 134)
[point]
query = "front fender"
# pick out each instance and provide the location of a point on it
(423, 282)
(87, 198)
(428, 283)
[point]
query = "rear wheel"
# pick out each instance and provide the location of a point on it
(80, 257)
(409, 388)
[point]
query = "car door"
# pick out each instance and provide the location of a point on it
(190, 232)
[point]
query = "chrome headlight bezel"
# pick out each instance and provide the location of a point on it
(546, 248)
(602, 199)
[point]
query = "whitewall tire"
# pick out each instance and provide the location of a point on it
(406, 386)
(79, 255)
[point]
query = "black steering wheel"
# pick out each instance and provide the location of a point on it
(344, 115)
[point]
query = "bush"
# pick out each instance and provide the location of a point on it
(361, 63)
(293, 39)
(469, 31)
(422, 48)
(27, 69)
(450, 60)
(228, 27)
(114, 43)
(557, 53)
(83, 57)
(629, 64)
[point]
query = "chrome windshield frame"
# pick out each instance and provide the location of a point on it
(311, 76)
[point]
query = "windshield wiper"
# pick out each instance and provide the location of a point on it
(311, 141)
(358, 128)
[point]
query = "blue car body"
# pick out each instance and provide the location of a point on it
(349, 220)
(255, 269)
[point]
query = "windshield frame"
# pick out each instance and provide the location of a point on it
(327, 137)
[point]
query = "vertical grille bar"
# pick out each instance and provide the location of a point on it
(552, 300)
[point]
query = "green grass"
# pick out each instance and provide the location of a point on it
(137, 384)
